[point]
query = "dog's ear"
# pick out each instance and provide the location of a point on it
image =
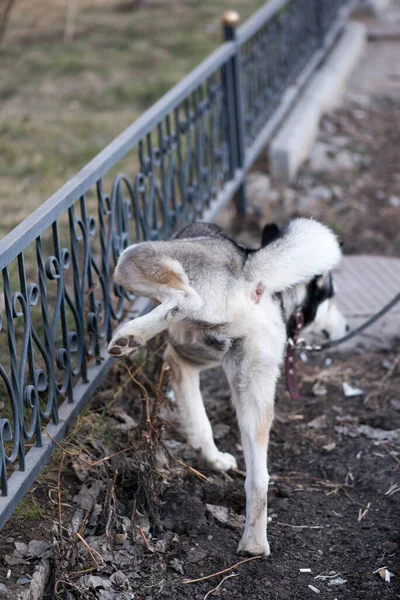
(269, 234)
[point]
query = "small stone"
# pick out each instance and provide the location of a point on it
(394, 201)
(93, 582)
(258, 186)
(350, 391)
(120, 538)
(321, 192)
(387, 365)
(395, 403)
(341, 141)
(337, 581)
(329, 447)
(319, 389)
(318, 423)
(24, 580)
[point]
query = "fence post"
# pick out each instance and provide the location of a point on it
(235, 107)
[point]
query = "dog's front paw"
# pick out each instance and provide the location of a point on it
(253, 547)
(223, 461)
(123, 345)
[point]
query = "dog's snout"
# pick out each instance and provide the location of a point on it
(325, 333)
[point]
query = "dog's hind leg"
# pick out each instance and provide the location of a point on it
(252, 376)
(192, 414)
(159, 277)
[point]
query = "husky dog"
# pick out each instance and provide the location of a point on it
(223, 303)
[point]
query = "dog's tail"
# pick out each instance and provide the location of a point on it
(305, 249)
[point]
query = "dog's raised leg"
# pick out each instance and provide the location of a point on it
(157, 277)
(192, 414)
(252, 380)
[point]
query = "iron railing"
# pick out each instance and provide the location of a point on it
(189, 155)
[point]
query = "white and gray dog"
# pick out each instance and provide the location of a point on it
(223, 303)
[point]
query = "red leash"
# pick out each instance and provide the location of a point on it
(291, 373)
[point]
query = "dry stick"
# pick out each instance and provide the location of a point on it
(110, 498)
(390, 454)
(93, 553)
(140, 530)
(194, 471)
(222, 572)
(156, 390)
(298, 526)
(146, 395)
(219, 585)
(164, 368)
(59, 497)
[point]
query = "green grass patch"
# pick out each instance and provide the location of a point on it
(29, 510)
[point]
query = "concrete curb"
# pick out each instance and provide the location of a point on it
(293, 142)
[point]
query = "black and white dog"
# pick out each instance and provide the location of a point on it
(223, 303)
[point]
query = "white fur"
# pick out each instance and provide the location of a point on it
(329, 319)
(306, 249)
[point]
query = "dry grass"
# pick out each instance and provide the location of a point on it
(62, 101)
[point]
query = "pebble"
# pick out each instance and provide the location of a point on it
(322, 192)
(394, 201)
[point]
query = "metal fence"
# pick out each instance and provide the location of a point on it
(189, 154)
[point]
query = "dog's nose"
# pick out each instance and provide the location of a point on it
(347, 328)
(325, 333)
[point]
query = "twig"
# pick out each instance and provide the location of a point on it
(164, 368)
(219, 585)
(363, 513)
(93, 553)
(222, 572)
(59, 497)
(110, 499)
(390, 454)
(194, 471)
(140, 530)
(146, 395)
(298, 526)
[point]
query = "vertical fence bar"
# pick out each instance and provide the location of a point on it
(235, 105)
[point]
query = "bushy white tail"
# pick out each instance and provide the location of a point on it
(306, 249)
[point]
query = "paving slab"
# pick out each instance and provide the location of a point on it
(364, 285)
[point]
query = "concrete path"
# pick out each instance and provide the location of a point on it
(367, 283)
(364, 285)
(378, 72)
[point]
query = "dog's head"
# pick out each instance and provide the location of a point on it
(320, 313)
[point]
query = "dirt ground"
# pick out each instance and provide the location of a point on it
(144, 521)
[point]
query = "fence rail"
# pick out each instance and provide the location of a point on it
(189, 154)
